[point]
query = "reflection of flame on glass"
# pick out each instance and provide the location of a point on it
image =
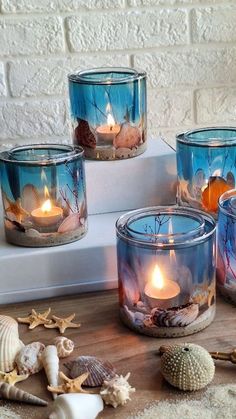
(171, 241)
(43, 176)
(47, 206)
(157, 279)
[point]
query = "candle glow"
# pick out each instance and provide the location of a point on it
(47, 214)
(161, 288)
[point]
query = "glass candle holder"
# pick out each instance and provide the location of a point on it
(108, 109)
(44, 197)
(206, 166)
(226, 255)
(166, 270)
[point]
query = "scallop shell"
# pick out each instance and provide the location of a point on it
(70, 223)
(28, 360)
(64, 346)
(30, 198)
(128, 137)
(50, 362)
(10, 392)
(175, 316)
(98, 370)
(10, 344)
(116, 391)
(187, 366)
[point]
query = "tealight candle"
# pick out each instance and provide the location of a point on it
(47, 215)
(161, 292)
(107, 133)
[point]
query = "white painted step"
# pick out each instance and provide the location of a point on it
(132, 183)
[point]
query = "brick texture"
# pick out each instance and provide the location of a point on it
(187, 47)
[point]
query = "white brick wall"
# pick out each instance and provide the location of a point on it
(187, 47)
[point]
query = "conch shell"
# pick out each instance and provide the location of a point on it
(10, 392)
(28, 360)
(50, 362)
(117, 391)
(76, 406)
(10, 344)
(64, 346)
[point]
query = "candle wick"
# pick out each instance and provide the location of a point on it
(110, 127)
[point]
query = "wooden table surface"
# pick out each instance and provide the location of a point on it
(102, 334)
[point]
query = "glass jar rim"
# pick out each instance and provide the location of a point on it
(69, 152)
(122, 230)
(131, 75)
(192, 138)
(224, 197)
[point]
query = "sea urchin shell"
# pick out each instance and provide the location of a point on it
(188, 366)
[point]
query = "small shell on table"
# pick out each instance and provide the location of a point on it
(50, 362)
(175, 316)
(116, 391)
(28, 360)
(10, 344)
(10, 392)
(98, 370)
(64, 346)
(187, 366)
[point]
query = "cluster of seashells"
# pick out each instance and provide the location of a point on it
(19, 361)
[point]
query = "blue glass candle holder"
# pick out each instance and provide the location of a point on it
(226, 255)
(108, 110)
(206, 166)
(166, 270)
(44, 197)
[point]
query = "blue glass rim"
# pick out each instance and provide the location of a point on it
(225, 197)
(193, 237)
(195, 137)
(47, 157)
(88, 76)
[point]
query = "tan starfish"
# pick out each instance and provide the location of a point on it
(70, 385)
(62, 324)
(12, 377)
(16, 209)
(35, 319)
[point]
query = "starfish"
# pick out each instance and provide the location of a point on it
(16, 209)
(62, 324)
(35, 319)
(70, 385)
(12, 377)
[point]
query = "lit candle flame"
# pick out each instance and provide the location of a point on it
(46, 192)
(110, 120)
(157, 279)
(47, 206)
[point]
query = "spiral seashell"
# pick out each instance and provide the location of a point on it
(64, 346)
(10, 344)
(74, 406)
(187, 366)
(175, 316)
(28, 360)
(116, 391)
(10, 392)
(98, 370)
(50, 362)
